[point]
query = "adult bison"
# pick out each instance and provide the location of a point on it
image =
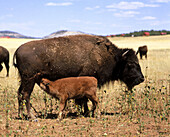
(142, 50)
(70, 56)
(4, 58)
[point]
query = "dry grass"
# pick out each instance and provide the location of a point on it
(153, 42)
(145, 112)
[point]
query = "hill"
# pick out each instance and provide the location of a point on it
(63, 33)
(11, 34)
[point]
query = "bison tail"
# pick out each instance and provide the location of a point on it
(14, 60)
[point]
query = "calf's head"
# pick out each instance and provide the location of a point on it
(130, 73)
(44, 84)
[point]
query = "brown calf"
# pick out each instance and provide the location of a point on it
(71, 88)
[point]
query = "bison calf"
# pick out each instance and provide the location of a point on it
(142, 51)
(71, 88)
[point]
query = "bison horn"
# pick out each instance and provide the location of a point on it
(125, 53)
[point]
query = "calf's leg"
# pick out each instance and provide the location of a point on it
(93, 98)
(62, 107)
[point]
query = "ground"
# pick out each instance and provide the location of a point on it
(145, 112)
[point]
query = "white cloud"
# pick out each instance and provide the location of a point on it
(12, 26)
(97, 23)
(6, 16)
(130, 5)
(91, 23)
(74, 21)
(58, 4)
(161, 1)
(126, 14)
(83, 22)
(148, 18)
(92, 8)
(111, 9)
(160, 23)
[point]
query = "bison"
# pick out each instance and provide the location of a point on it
(72, 56)
(4, 58)
(71, 88)
(142, 51)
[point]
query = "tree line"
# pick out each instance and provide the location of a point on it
(142, 33)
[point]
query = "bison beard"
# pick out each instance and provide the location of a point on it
(72, 56)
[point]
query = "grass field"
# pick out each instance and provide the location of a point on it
(145, 112)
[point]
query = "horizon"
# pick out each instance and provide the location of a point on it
(41, 18)
(76, 31)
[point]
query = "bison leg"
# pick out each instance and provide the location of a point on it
(83, 103)
(7, 67)
(24, 93)
(1, 67)
(145, 56)
(141, 56)
(20, 102)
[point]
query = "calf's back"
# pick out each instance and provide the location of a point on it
(74, 87)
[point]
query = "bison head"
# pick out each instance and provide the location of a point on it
(130, 70)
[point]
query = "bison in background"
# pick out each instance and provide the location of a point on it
(72, 56)
(142, 51)
(4, 58)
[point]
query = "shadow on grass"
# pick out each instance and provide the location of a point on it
(112, 114)
(68, 115)
(50, 116)
(55, 116)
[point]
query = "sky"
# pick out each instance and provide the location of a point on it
(39, 18)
